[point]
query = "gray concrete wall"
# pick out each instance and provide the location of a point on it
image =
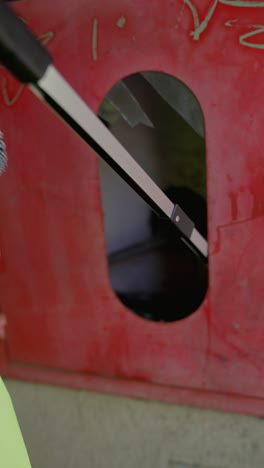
(76, 429)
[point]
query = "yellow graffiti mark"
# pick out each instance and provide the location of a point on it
(200, 26)
(7, 100)
(243, 3)
(194, 13)
(94, 39)
(230, 23)
(244, 42)
(45, 38)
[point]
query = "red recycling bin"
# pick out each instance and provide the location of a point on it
(65, 324)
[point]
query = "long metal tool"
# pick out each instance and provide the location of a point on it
(29, 62)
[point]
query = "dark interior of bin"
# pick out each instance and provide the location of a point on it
(160, 122)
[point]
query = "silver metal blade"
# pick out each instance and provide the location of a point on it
(199, 241)
(62, 98)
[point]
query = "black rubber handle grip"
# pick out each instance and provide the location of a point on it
(20, 51)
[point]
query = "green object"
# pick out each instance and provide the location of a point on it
(13, 452)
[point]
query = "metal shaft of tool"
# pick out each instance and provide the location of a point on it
(60, 96)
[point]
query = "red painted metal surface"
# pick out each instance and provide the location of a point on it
(65, 325)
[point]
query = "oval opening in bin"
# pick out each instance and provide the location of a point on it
(160, 122)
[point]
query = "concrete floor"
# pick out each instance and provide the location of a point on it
(76, 429)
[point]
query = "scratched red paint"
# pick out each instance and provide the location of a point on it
(65, 325)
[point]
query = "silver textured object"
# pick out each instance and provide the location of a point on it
(3, 154)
